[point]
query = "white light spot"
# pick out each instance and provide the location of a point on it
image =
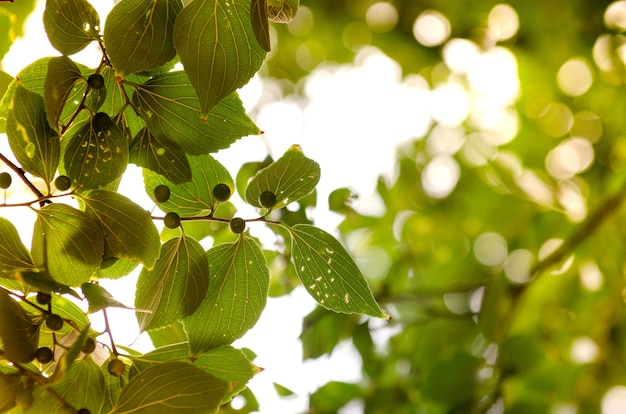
(569, 158)
(503, 22)
(591, 277)
(584, 350)
(517, 266)
(440, 176)
(615, 15)
(575, 77)
(490, 249)
(431, 28)
(614, 400)
(381, 17)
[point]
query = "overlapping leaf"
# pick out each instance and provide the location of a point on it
(99, 298)
(171, 109)
(260, 23)
(329, 274)
(236, 297)
(70, 24)
(282, 11)
(195, 197)
(18, 333)
(68, 243)
(161, 156)
(60, 78)
(217, 46)
(290, 178)
(127, 227)
(13, 254)
(172, 387)
(138, 34)
(176, 285)
(35, 145)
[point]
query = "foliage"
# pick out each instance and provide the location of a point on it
(163, 98)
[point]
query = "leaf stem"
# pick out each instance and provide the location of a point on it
(19, 171)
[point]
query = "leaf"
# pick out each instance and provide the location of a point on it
(290, 178)
(170, 108)
(282, 11)
(8, 388)
(329, 274)
(260, 23)
(13, 254)
(128, 228)
(70, 24)
(195, 197)
(42, 282)
(176, 285)
(35, 145)
(18, 333)
(236, 297)
(60, 79)
(94, 158)
(247, 171)
(161, 156)
(333, 395)
(217, 47)
(172, 387)
(68, 243)
(99, 298)
(138, 34)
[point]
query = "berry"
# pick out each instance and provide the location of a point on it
(43, 354)
(221, 192)
(101, 121)
(5, 180)
(54, 322)
(267, 199)
(84, 411)
(161, 193)
(62, 183)
(89, 346)
(43, 298)
(116, 367)
(95, 81)
(237, 225)
(171, 220)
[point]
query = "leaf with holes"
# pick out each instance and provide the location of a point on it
(171, 109)
(70, 24)
(290, 178)
(60, 79)
(161, 156)
(329, 274)
(13, 254)
(217, 46)
(176, 285)
(138, 34)
(236, 297)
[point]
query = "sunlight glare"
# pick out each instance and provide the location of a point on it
(381, 16)
(614, 400)
(575, 77)
(569, 158)
(450, 104)
(440, 176)
(503, 22)
(615, 15)
(431, 28)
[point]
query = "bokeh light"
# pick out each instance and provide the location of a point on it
(570, 157)
(440, 176)
(615, 15)
(381, 16)
(431, 28)
(503, 22)
(575, 77)
(490, 249)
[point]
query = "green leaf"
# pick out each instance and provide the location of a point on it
(13, 254)
(94, 158)
(68, 243)
(128, 228)
(330, 397)
(138, 34)
(290, 178)
(161, 156)
(218, 48)
(8, 385)
(236, 297)
(247, 171)
(42, 282)
(70, 24)
(18, 333)
(99, 298)
(35, 145)
(329, 274)
(114, 99)
(260, 23)
(195, 197)
(176, 285)
(170, 107)
(60, 79)
(282, 11)
(172, 387)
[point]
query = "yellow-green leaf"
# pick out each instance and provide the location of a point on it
(60, 79)
(70, 24)
(13, 254)
(260, 23)
(161, 156)
(18, 333)
(282, 11)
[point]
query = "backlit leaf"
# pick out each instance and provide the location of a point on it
(129, 231)
(176, 285)
(260, 23)
(236, 297)
(18, 333)
(99, 298)
(60, 78)
(68, 243)
(138, 34)
(329, 274)
(172, 387)
(13, 254)
(171, 109)
(161, 156)
(290, 178)
(70, 24)
(282, 11)
(218, 48)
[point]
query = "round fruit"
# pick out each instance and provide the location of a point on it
(43, 298)
(62, 183)
(101, 121)
(237, 225)
(161, 193)
(116, 367)
(89, 346)
(5, 180)
(43, 354)
(267, 199)
(84, 411)
(221, 192)
(54, 322)
(171, 220)
(95, 81)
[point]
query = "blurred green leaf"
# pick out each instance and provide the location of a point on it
(19, 334)
(332, 396)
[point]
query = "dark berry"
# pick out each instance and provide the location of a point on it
(221, 192)
(116, 367)
(171, 220)
(101, 121)
(5, 180)
(89, 346)
(62, 183)
(161, 193)
(43, 298)
(84, 411)
(95, 81)
(237, 225)
(54, 322)
(267, 199)
(43, 354)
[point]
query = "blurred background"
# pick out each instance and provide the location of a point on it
(461, 144)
